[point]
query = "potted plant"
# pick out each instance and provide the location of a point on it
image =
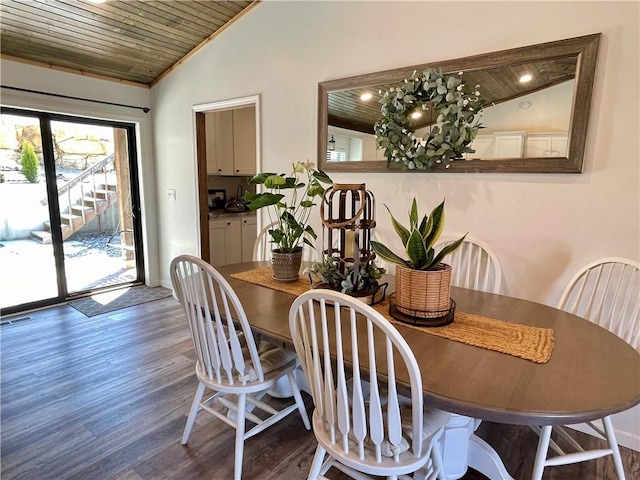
(291, 214)
(334, 278)
(423, 282)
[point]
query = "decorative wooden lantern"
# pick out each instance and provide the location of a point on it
(348, 220)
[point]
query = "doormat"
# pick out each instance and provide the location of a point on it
(116, 299)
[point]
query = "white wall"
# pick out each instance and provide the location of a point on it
(543, 227)
(30, 77)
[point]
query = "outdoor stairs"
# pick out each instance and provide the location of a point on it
(94, 200)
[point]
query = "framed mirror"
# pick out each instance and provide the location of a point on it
(535, 119)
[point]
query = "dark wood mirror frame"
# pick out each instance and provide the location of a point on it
(585, 48)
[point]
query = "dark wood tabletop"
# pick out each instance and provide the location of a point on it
(591, 373)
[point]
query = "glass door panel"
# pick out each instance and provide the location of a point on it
(27, 259)
(94, 197)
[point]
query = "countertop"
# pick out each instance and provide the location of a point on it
(219, 214)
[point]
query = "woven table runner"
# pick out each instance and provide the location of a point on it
(523, 341)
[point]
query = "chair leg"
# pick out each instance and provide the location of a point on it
(191, 419)
(299, 402)
(541, 454)
(316, 465)
(613, 445)
(239, 450)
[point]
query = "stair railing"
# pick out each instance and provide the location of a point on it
(66, 191)
(101, 165)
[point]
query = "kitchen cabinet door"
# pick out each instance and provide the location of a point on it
(249, 235)
(546, 145)
(244, 141)
(509, 144)
(219, 138)
(225, 241)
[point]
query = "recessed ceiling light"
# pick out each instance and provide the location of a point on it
(97, 1)
(524, 105)
(527, 77)
(366, 96)
(415, 115)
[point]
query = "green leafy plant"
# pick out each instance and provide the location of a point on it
(458, 108)
(29, 162)
(328, 269)
(368, 276)
(418, 240)
(290, 214)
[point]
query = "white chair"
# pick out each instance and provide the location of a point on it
(473, 264)
(263, 246)
(229, 362)
(606, 292)
(362, 423)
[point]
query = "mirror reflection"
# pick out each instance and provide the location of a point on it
(533, 119)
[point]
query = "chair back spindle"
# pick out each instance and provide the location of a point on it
(607, 292)
(473, 265)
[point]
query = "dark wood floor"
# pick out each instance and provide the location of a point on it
(107, 397)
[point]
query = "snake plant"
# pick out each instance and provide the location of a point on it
(418, 240)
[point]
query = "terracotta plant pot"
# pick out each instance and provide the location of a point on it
(423, 293)
(286, 265)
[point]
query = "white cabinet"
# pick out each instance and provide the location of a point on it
(498, 145)
(509, 144)
(244, 141)
(231, 142)
(231, 240)
(546, 145)
(484, 147)
(219, 138)
(249, 235)
(225, 241)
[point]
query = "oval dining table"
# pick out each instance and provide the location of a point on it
(591, 372)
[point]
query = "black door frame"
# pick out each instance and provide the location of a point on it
(45, 119)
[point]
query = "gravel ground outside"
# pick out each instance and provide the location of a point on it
(88, 244)
(29, 274)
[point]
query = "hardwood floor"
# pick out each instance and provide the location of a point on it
(107, 397)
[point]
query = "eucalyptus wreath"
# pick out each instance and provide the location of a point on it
(459, 110)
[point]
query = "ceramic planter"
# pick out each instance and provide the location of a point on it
(286, 265)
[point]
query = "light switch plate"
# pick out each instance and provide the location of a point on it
(171, 195)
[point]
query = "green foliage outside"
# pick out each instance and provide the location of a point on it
(29, 162)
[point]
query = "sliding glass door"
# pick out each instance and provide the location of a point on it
(69, 210)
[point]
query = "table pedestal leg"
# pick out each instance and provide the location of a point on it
(462, 449)
(484, 459)
(282, 389)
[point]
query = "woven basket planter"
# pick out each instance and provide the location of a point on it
(423, 293)
(286, 266)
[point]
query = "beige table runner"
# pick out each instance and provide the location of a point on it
(530, 343)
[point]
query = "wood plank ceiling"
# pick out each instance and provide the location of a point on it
(126, 40)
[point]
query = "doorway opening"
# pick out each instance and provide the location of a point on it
(228, 147)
